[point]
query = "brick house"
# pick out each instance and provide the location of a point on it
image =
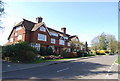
(39, 35)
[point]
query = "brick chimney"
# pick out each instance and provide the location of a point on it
(39, 19)
(63, 30)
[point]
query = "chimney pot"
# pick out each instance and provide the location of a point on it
(63, 30)
(39, 19)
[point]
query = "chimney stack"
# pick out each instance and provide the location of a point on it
(39, 19)
(63, 30)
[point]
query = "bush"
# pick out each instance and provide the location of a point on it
(80, 53)
(43, 51)
(21, 51)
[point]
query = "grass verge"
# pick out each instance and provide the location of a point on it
(118, 60)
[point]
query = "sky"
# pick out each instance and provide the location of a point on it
(85, 19)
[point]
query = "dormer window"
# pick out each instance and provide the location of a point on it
(42, 29)
(54, 34)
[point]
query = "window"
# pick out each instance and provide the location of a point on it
(54, 34)
(42, 29)
(11, 39)
(68, 50)
(53, 41)
(68, 43)
(76, 45)
(15, 34)
(77, 40)
(42, 37)
(61, 42)
(65, 37)
(36, 45)
(19, 37)
(18, 28)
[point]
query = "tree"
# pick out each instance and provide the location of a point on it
(74, 45)
(1, 11)
(103, 41)
(95, 43)
(112, 43)
(86, 46)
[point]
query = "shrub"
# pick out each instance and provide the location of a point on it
(21, 51)
(43, 51)
(49, 51)
(80, 53)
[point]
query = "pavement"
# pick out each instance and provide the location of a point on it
(8, 66)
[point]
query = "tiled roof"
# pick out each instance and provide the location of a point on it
(36, 25)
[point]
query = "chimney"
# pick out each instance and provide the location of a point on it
(63, 30)
(39, 19)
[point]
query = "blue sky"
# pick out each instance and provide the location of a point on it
(85, 19)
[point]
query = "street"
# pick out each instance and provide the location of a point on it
(99, 67)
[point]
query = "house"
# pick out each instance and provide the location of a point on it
(39, 35)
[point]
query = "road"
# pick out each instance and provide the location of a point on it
(99, 67)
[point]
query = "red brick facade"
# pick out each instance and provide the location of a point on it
(29, 32)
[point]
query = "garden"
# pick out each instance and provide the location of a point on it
(22, 52)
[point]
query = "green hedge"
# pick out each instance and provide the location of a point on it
(21, 52)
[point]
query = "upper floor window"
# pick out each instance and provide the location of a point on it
(53, 41)
(18, 28)
(42, 29)
(61, 42)
(42, 37)
(15, 34)
(11, 39)
(65, 37)
(76, 45)
(19, 37)
(68, 43)
(54, 34)
(76, 39)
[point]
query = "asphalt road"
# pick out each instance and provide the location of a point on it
(99, 67)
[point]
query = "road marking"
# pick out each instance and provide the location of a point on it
(109, 70)
(62, 69)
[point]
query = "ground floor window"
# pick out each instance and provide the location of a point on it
(36, 45)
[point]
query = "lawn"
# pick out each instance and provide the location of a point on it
(118, 60)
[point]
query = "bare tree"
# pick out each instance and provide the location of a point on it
(1, 12)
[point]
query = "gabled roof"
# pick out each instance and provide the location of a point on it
(57, 31)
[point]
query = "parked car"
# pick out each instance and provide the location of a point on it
(111, 54)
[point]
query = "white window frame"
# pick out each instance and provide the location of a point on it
(16, 34)
(11, 39)
(20, 37)
(36, 45)
(42, 29)
(65, 37)
(53, 41)
(54, 34)
(77, 40)
(18, 28)
(76, 45)
(61, 42)
(68, 44)
(42, 37)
